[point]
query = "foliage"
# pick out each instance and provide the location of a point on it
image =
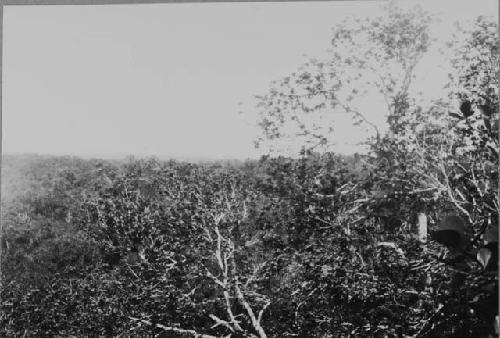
(440, 159)
(375, 54)
(153, 266)
(321, 245)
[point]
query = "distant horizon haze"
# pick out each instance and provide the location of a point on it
(161, 157)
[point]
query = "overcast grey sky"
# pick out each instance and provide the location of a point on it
(163, 79)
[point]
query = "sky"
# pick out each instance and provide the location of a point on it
(164, 79)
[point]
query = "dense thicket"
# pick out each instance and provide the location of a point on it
(140, 241)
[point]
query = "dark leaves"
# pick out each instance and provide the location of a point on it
(466, 109)
(451, 238)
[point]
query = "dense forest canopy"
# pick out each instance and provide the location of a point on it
(315, 245)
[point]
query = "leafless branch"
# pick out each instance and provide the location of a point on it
(173, 329)
(229, 281)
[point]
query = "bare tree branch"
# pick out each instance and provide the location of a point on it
(173, 329)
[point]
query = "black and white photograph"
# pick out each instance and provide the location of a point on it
(249, 169)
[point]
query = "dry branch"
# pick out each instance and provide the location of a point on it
(173, 329)
(229, 281)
